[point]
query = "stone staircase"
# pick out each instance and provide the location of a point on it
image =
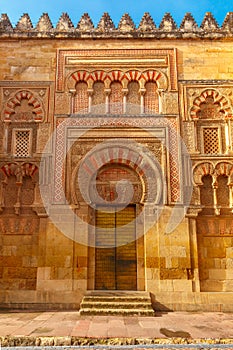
(124, 303)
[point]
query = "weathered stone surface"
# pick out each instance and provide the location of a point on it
(85, 24)
(24, 23)
(44, 24)
(188, 23)
(105, 24)
(147, 23)
(167, 23)
(64, 24)
(126, 23)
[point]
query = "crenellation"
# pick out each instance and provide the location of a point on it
(85, 24)
(126, 28)
(106, 24)
(24, 23)
(5, 24)
(147, 23)
(209, 23)
(188, 23)
(126, 24)
(168, 24)
(44, 24)
(64, 24)
(228, 22)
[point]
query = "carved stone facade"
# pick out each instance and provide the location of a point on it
(116, 161)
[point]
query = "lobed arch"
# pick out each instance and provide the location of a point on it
(225, 168)
(215, 170)
(118, 75)
(13, 102)
(217, 98)
(200, 170)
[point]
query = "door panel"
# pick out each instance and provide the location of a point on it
(126, 267)
(116, 266)
(105, 257)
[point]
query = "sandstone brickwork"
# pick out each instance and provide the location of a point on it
(86, 107)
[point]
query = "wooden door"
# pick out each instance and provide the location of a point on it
(116, 262)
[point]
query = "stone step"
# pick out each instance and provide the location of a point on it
(116, 304)
(116, 293)
(122, 312)
(116, 299)
(130, 296)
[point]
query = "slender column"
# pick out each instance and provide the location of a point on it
(194, 271)
(230, 196)
(2, 193)
(160, 95)
(229, 133)
(125, 93)
(142, 98)
(107, 106)
(18, 204)
(215, 186)
(195, 136)
(226, 127)
(72, 93)
(90, 94)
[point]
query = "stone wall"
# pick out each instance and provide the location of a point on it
(170, 84)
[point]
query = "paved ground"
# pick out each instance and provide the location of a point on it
(71, 324)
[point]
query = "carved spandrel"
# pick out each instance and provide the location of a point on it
(42, 137)
(188, 136)
(170, 103)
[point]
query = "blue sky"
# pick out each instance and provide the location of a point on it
(116, 8)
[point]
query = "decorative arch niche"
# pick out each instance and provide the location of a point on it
(211, 113)
(15, 110)
(210, 105)
(213, 187)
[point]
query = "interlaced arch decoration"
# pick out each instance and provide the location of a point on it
(215, 98)
(37, 113)
(118, 75)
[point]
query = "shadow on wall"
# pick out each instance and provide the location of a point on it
(158, 306)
